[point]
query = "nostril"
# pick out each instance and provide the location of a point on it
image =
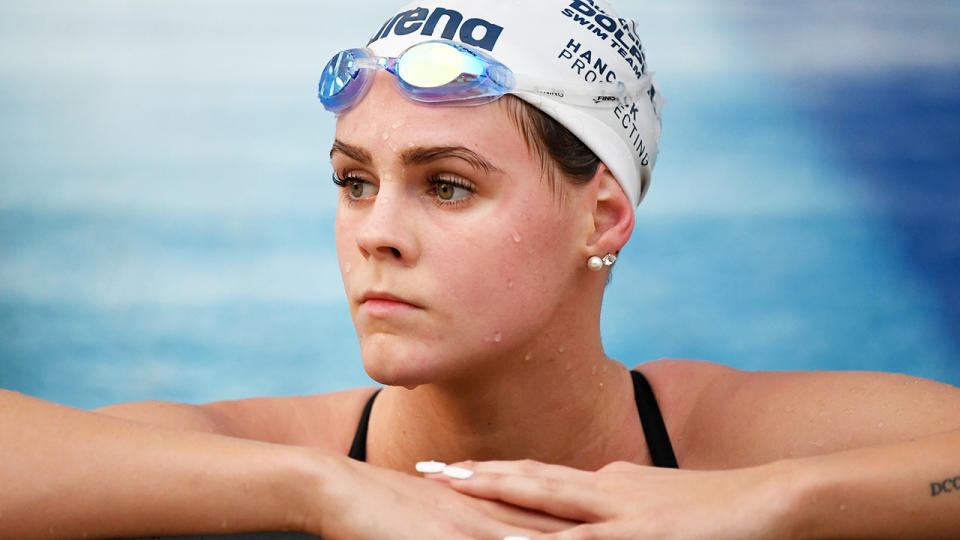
(395, 251)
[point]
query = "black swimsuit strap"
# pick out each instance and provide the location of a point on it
(658, 441)
(358, 449)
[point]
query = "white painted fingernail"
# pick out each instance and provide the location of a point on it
(516, 538)
(457, 472)
(430, 466)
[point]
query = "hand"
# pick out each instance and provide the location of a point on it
(363, 501)
(628, 501)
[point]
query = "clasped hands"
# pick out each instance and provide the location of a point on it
(529, 499)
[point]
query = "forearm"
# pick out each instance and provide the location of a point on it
(72, 473)
(879, 492)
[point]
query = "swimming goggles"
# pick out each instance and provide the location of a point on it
(442, 71)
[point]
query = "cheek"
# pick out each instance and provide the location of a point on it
(347, 252)
(511, 278)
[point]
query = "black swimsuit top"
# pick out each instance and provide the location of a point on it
(655, 431)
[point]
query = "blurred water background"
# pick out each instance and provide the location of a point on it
(166, 211)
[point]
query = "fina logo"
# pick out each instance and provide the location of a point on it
(408, 22)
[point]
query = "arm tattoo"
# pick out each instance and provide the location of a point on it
(950, 485)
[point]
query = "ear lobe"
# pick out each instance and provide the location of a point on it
(613, 216)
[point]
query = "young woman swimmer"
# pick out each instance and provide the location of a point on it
(490, 156)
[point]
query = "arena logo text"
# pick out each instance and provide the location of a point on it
(478, 32)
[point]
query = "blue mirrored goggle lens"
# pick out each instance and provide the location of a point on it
(435, 64)
(342, 80)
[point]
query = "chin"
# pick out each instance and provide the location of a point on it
(395, 363)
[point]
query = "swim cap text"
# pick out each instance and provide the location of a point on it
(478, 32)
(621, 33)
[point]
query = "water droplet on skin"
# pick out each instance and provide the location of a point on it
(346, 268)
(569, 366)
(594, 370)
(528, 357)
(880, 425)
(510, 284)
(601, 386)
(497, 336)
(396, 124)
(386, 135)
(561, 349)
(516, 237)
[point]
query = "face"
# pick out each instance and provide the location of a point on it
(454, 250)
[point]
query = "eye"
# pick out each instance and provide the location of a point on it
(360, 189)
(356, 187)
(450, 189)
(450, 192)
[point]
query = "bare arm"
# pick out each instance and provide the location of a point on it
(68, 473)
(902, 490)
(865, 454)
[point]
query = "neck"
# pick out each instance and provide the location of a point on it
(557, 401)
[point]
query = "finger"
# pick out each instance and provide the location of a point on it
(522, 467)
(558, 497)
(521, 517)
(507, 513)
(474, 523)
(607, 531)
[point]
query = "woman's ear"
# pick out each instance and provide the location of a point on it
(613, 216)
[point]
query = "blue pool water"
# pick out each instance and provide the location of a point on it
(166, 211)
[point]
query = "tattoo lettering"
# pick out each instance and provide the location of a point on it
(949, 485)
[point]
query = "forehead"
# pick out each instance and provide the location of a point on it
(385, 121)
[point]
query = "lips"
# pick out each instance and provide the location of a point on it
(381, 298)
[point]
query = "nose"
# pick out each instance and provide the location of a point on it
(385, 233)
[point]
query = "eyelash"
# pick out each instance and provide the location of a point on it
(433, 180)
(341, 181)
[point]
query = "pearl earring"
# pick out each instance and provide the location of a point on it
(595, 263)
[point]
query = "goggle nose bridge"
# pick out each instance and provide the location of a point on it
(378, 63)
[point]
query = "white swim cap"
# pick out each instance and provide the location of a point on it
(570, 42)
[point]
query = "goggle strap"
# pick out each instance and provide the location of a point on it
(602, 96)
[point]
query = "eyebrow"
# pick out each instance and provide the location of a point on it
(353, 152)
(419, 155)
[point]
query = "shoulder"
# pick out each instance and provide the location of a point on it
(323, 420)
(679, 385)
(721, 417)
